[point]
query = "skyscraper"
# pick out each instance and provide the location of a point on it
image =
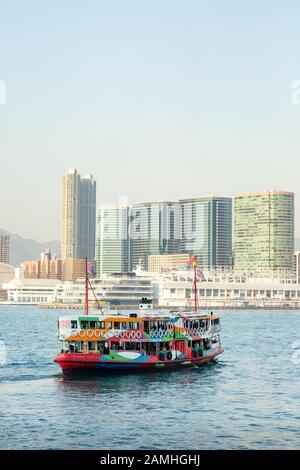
(87, 218)
(112, 239)
(78, 216)
(206, 230)
(4, 248)
(264, 231)
(153, 230)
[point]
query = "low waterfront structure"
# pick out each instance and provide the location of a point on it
(117, 290)
(227, 290)
(168, 290)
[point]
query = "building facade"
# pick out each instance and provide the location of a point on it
(124, 290)
(206, 230)
(264, 231)
(159, 263)
(64, 270)
(154, 229)
(4, 248)
(78, 219)
(87, 218)
(112, 251)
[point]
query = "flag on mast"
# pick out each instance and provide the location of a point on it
(91, 269)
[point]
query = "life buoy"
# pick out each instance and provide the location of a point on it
(138, 334)
(97, 333)
(162, 356)
(122, 334)
(132, 334)
(90, 333)
(169, 355)
(127, 334)
(82, 334)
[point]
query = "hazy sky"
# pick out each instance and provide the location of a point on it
(157, 98)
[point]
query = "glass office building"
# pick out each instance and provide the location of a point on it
(112, 240)
(264, 231)
(206, 230)
(153, 230)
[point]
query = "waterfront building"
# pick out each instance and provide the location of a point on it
(123, 290)
(78, 216)
(217, 289)
(297, 266)
(159, 263)
(4, 248)
(87, 219)
(112, 251)
(7, 273)
(226, 290)
(206, 230)
(264, 231)
(154, 229)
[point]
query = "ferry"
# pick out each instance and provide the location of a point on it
(140, 340)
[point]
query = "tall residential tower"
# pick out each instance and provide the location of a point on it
(87, 218)
(4, 248)
(78, 216)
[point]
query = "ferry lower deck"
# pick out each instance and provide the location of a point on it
(124, 360)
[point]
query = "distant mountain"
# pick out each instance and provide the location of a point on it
(23, 249)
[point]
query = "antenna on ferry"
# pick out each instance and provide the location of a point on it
(193, 261)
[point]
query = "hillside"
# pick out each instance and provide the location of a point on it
(22, 249)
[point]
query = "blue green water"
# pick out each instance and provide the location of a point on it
(248, 399)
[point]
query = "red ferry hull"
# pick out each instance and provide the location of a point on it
(92, 364)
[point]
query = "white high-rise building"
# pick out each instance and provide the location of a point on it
(78, 216)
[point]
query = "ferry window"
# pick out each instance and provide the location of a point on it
(146, 327)
(117, 325)
(84, 324)
(109, 324)
(123, 325)
(92, 324)
(101, 325)
(74, 324)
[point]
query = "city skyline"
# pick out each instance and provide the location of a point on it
(168, 100)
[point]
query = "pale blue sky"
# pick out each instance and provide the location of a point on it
(158, 99)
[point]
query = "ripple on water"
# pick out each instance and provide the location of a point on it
(249, 398)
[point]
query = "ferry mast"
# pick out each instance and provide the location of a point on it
(193, 261)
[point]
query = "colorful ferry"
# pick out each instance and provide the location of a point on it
(139, 340)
